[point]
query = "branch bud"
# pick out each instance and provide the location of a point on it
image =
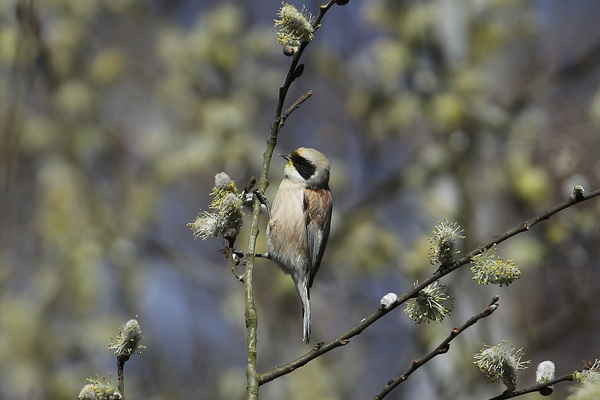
(578, 193)
(288, 50)
(387, 301)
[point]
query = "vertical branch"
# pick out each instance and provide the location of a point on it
(250, 313)
(120, 382)
(250, 310)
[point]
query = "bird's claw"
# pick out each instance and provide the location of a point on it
(263, 200)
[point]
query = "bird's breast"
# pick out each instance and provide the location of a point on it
(286, 230)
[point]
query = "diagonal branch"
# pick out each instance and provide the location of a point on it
(344, 338)
(443, 348)
(293, 107)
(523, 227)
(536, 388)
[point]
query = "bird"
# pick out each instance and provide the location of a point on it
(300, 221)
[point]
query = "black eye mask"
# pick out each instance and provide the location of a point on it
(305, 168)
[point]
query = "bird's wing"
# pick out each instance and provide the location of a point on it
(317, 208)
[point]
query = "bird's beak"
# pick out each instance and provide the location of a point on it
(285, 156)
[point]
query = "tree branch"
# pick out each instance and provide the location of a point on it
(251, 315)
(523, 227)
(343, 339)
(293, 107)
(121, 360)
(536, 388)
(443, 348)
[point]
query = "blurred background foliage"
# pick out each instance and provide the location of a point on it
(116, 115)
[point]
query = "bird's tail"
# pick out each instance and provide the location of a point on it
(304, 293)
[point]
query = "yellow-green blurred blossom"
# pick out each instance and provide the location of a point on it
(432, 303)
(128, 340)
(228, 206)
(448, 111)
(8, 44)
(443, 242)
(75, 98)
(533, 184)
(500, 363)
(107, 66)
(418, 22)
(489, 268)
(293, 27)
(594, 108)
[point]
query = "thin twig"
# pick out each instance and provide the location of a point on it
(443, 348)
(344, 338)
(322, 10)
(233, 263)
(293, 107)
(121, 360)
